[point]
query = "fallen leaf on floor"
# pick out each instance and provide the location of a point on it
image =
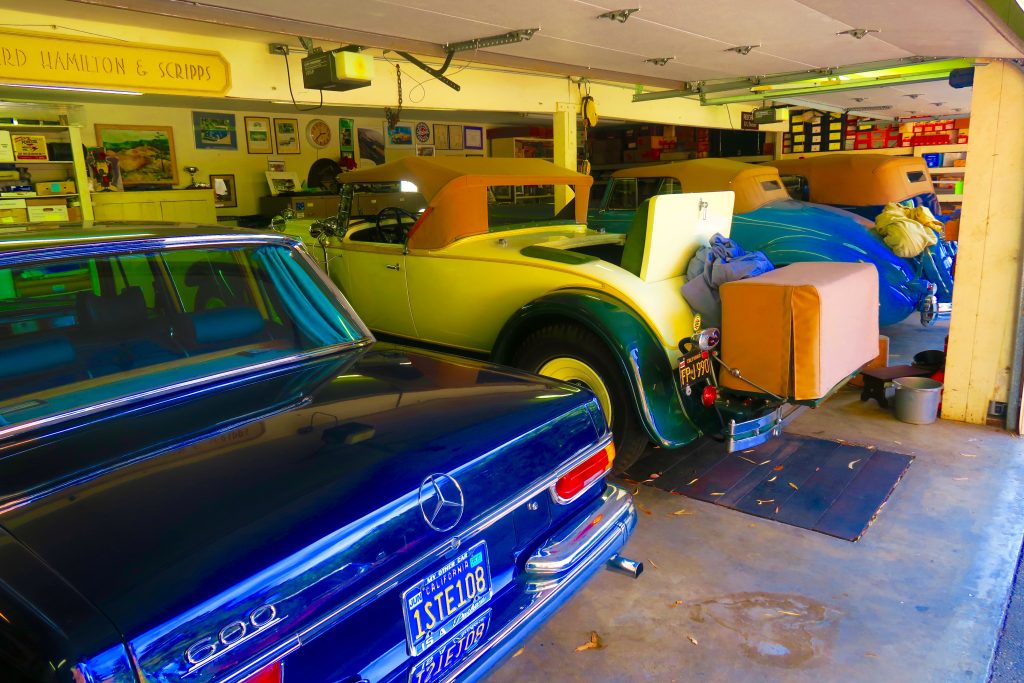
(676, 604)
(683, 511)
(644, 510)
(748, 460)
(817, 469)
(519, 652)
(788, 613)
(960, 478)
(630, 481)
(594, 644)
(776, 509)
(898, 443)
(840, 440)
(692, 640)
(717, 494)
(763, 462)
(749, 450)
(653, 565)
(870, 654)
(636, 491)
(765, 502)
(969, 455)
(654, 476)
(694, 481)
(774, 477)
(793, 486)
(777, 468)
(850, 464)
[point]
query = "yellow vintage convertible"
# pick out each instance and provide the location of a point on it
(492, 257)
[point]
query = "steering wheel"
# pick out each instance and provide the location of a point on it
(394, 233)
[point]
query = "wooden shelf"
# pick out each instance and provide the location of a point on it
(19, 126)
(16, 163)
(42, 196)
(938, 149)
(950, 198)
(950, 170)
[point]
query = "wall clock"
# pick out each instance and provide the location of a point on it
(319, 133)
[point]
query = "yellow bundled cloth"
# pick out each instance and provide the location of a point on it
(908, 230)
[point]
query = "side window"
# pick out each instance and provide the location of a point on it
(623, 196)
(210, 280)
(671, 186)
(797, 187)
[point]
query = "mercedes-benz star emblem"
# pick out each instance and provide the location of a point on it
(441, 502)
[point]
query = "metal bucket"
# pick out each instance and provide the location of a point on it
(917, 399)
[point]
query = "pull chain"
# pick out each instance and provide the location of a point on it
(393, 116)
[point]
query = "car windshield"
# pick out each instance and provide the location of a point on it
(82, 332)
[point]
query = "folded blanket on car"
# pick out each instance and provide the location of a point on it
(714, 264)
(907, 230)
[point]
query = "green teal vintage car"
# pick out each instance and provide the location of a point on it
(500, 263)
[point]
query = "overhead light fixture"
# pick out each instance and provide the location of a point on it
(68, 88)
(659, 61)
(858, 99)
(858, 33)
(937, 104)
(517, 36)
(619, 15)
(741, 49)
(913, 96)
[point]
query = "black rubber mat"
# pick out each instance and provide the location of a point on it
(831, 487)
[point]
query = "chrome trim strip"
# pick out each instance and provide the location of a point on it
(757, 423)
(559, 555)
(402, 573)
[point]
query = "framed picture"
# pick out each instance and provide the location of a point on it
(473, 137)
(286, 136)
(400, 136)
(223, 190)
(441, 135)
(275, 165)
(371, 145)
(346, 129)
(283, 181)
(213, 130)
(257, 135)
(145, 154)
(454, 137)
(424, 150)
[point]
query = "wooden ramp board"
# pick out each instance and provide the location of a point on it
(831, 487)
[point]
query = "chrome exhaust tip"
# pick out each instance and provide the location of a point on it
(624, 565)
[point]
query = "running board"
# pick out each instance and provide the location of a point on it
(739, 436)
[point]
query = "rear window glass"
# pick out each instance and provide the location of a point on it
(770, 185)
(509, 205)
(75, 333)
(915, 176)
(629, 193)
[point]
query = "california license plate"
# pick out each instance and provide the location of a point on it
(695, 367)
(446, 657)
(438, 604)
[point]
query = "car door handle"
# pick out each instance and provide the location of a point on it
(393, 266)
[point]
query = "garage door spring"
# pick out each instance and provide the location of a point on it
(393, 116)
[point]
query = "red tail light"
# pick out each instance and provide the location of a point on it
(570, 485)
(268, 674)
(708, 396)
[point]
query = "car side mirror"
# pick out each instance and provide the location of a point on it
(278, 222)
(324, 229)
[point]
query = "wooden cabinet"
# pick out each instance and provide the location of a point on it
(64, 164)
(304, 206)
(180, 206)
(523, 148)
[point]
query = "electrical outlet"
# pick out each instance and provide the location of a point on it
(278, 49)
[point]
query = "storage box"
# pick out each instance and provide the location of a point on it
(47, 209)
(8, 216)
(6, 147)
(74, 213)
(800, 330)
(29, 147)
(12, 203)
(55, 187)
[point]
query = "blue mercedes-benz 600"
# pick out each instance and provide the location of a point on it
(210, 471)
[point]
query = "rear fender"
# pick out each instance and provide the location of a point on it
(639, 353)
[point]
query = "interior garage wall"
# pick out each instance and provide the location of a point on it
(248, 169)
(988, 267)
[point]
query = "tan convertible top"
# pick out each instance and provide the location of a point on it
(754, 185)
(860, 179)
(456, 190)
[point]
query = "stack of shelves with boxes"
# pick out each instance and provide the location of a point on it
(947, 165)
(43, 177)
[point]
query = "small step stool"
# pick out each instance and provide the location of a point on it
(875, 380)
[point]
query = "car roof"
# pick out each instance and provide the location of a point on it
(18, 238)
(859, 179)
(716, 175)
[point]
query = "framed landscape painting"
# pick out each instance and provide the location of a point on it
(257, 135)
(145, 154)
(213, 130)
(286, 136)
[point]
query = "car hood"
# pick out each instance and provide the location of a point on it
(308, 499)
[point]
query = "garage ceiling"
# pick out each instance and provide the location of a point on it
(696, 34)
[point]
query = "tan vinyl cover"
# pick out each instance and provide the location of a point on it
(859, 179)
(754, 185)
(799, 331)
(456, 190)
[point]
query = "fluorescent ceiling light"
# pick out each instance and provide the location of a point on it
(68, 88)
(1020, 3)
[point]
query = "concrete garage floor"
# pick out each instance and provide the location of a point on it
(730, 597)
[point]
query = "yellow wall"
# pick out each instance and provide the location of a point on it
(248, 169)
(991, 240)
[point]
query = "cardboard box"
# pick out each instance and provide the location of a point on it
(74, 213)
(8, 216)
(55, 187)
(29, 147)
(12, 203)
(51, 213)
(6, 147)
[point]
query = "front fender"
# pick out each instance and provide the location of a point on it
(668, 420)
